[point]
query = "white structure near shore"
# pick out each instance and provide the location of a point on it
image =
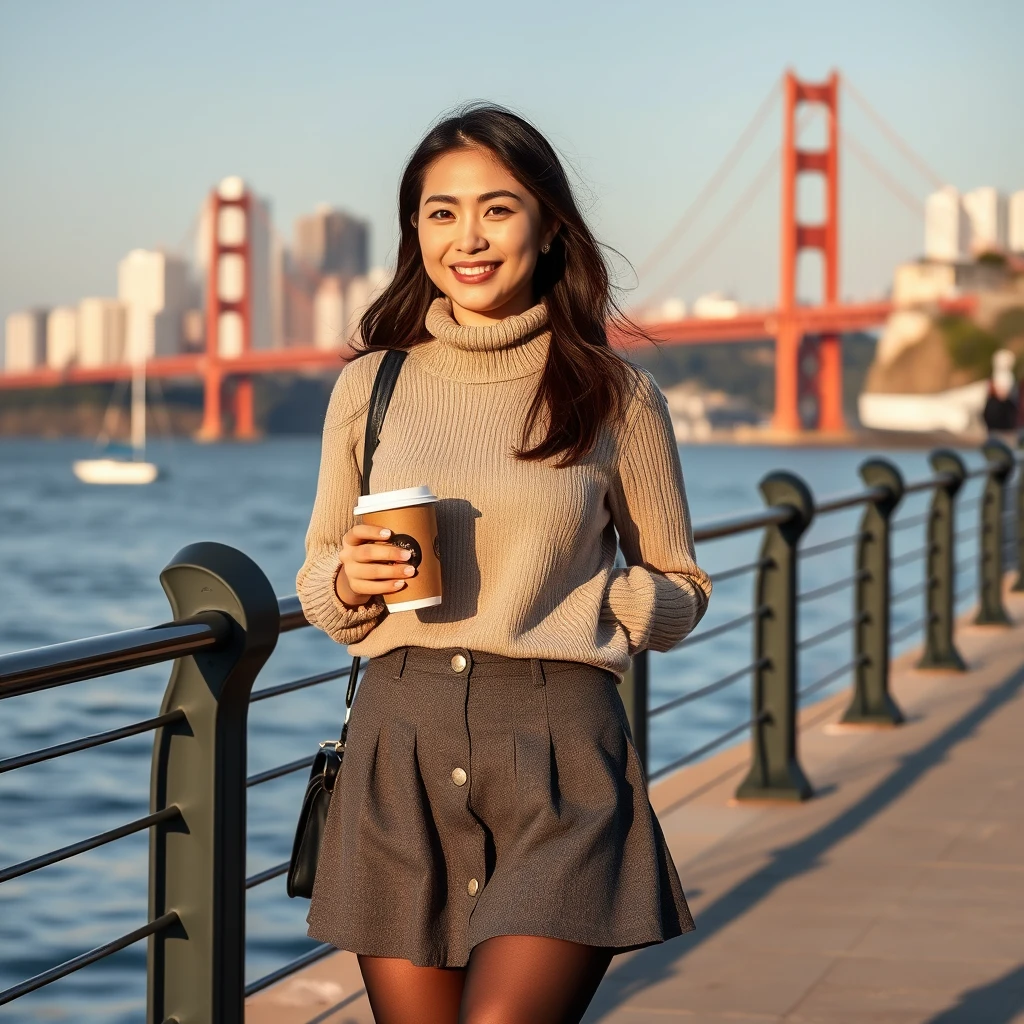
(25, 341)
(101, 332)
(62, 337)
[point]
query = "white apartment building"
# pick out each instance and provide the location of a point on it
(361, 291)
(986, 209)
(1015, 227)
(102, 329)
(154, 289)
(266, 253)
(947, 228)
(62, 337)
(329, 321)
(25, 341)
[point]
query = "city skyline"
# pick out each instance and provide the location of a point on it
(67, 223)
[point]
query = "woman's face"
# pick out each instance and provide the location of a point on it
(480, 235)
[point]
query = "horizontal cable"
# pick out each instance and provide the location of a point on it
(827, 634)
(832, 545)
(725, 627)
(276, 773)
(99, 953)
(967, 531)
(967, 503)
(98, 739)
(842, 501)
(714, 687)
(966, 563)
(983, 470)
(910, 556)
(939, 480)
(298, 684)
(291, 967)
(831, 588)
(905, 524)
(831, 677)
(265, 876)
(57, 664)
(908, 630)
(908, 592)
(292, 615)
(740, 570)
(56, 856)
(774, 516)
(965, 592)
(695, 755)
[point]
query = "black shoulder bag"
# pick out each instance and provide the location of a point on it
(327, 763)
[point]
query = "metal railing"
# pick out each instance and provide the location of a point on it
(227, 621)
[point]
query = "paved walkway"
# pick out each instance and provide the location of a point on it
(896, 896)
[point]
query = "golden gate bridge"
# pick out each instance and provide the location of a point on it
(807, 338)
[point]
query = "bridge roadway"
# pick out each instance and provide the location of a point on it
(895, 896)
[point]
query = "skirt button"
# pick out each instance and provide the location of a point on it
(473, 886)
(459, 776)
(458, 662)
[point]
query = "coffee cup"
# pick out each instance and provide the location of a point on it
(410, 513)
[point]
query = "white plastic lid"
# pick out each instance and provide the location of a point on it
(402, 498)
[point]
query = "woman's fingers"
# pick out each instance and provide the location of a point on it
(380, 553)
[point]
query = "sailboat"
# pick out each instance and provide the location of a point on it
(135, 470)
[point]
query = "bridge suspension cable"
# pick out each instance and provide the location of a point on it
(895, 188)
(712, 185)
(728, 222)
(893, 136)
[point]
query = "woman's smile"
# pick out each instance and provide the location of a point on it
(475, 272)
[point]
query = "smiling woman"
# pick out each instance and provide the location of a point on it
(490, 844)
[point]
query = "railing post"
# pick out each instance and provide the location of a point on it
(775, 772)
(197, 864)
(634, 693)
(940, 582)
(990, 544)
(1019, 518)
(872, 704)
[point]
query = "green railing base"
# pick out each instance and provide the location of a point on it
(886, 715)
(795, 788)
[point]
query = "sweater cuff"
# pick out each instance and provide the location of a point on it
(655, 609)
(323, 607)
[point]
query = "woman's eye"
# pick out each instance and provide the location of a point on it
(499, 209)
(437, 215)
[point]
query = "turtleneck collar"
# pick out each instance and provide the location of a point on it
(516, 346)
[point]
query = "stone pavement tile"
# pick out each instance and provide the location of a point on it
(712, 981)
(872, 989)
(796, 930)
(328, 992)
(943, 937)
(907, 840)
(961, 885)
(990, 841)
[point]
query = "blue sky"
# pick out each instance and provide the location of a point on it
(116, 118)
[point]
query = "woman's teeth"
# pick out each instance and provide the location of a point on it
(471, 271)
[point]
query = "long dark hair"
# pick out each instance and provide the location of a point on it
(584, 381)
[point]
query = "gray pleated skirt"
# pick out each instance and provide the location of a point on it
(482, 795)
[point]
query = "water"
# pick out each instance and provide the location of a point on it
(76, 561)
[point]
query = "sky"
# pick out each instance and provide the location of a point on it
(116, 118)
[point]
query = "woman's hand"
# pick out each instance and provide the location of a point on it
(366, 567)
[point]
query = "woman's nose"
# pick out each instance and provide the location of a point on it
(472, 239)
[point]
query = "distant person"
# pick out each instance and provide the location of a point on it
(1003, 407)
(490, 843)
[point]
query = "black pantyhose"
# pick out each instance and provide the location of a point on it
(510, 979)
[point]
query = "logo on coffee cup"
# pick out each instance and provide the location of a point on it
(403, 540)
(437, 547)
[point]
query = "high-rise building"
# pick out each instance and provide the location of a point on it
(62, 337)
(266, 255)
(329, 322)
(946, 226)
(102, 331)
(1015, 232)
(154, 289)
(986, 208)
(330, 241)
(25, 341)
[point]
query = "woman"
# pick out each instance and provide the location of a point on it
(490, 844)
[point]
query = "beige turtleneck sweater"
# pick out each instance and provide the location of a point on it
(528, 550)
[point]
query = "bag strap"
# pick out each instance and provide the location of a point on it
(380, 398)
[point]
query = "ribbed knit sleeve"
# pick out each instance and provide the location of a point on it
(661, 594)
(337, 491)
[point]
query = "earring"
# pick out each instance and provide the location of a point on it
(546, 247)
